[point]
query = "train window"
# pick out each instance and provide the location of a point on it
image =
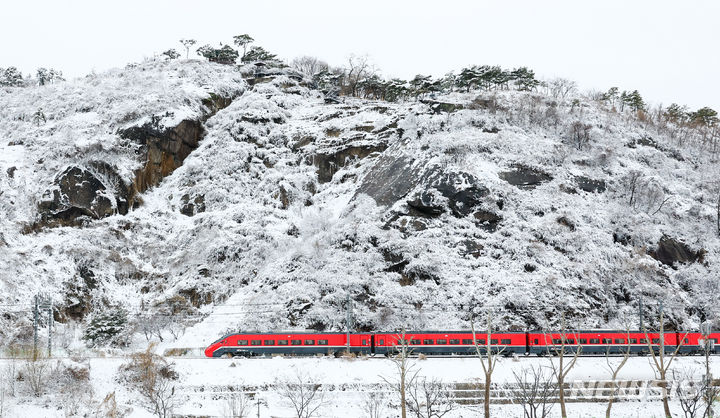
(505, 341)
(382, 341)
(309, 342)
(481, 341)
(607, 340)
(428, 342)
(322, 342)
(493, 341)
(583, 340)
(269, 342)
(364, 342)
(467, 342)
(296, 342)
(453, 341)
(536, 341)
(242, 342)
(556, 341)
(643, 341)
(256, 342)
(415, 342)
(442, 341)
(282, 342)
(633, 340)
(594, 341)
(686, 341)
(714, 340)
(619, 340)
(570, 341)
(656, 341)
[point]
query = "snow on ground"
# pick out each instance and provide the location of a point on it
(204, 382)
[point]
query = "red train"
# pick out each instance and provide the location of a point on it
(456, 342)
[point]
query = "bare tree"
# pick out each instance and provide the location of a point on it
(35, 373)
(660, 363)
(711, 392)
(429, 398)
(690, 393)
(631, 184)
(309, 66)
(303, 395)
(535, 390)
(488, 359)
(237, 405)
(615, 370)
(406, 372)
(579, 134)
(560, 88)
(154, 379)
(358, 68)
(558, 349)
(718, 215)
(373, 404)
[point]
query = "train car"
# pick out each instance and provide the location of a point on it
(597, 342)
(611, 342)
(290, 343)
(449, 342)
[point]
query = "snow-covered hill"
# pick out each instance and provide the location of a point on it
(211, 196)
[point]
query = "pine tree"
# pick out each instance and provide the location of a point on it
(243, 41)
(611, 95)
(676, 113)
(171, 54)
(258, 53)
(223, 55)
(705, 117)
(187, 43)
(524, 79)
(104, 326)
(11, 77)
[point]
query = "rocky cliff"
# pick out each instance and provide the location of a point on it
(237, 201)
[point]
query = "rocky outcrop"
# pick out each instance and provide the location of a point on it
(329, 162)
(163, 151)
(670, 251)
(460, 193)
(391, 178)
(97, 191)
(589, 185)
(91, 192)
(524, 177)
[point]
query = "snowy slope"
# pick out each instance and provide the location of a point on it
(424, 217)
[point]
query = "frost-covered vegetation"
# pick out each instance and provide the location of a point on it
(458, 196)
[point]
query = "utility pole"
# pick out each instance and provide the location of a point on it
(36, 315)
(640, 314)
(348, 320)
(50, 325)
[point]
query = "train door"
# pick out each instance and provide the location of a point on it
(372, 344)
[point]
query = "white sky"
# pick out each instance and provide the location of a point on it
(668, 50)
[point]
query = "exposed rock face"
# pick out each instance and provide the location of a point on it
(329, 163)
(525, 177)
(192, 206)
(670, 251)
(98, 191)
(459, 192)
(589, 185)
(78, 193)
(390, 179)
(443, 107)
(162, 151)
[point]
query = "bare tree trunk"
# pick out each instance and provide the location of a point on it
(486, 406)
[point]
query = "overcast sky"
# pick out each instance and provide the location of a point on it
(668, 50)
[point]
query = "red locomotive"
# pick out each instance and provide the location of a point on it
(458, 343)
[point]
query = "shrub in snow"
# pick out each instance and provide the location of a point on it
(104, 326)
(154, 379)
